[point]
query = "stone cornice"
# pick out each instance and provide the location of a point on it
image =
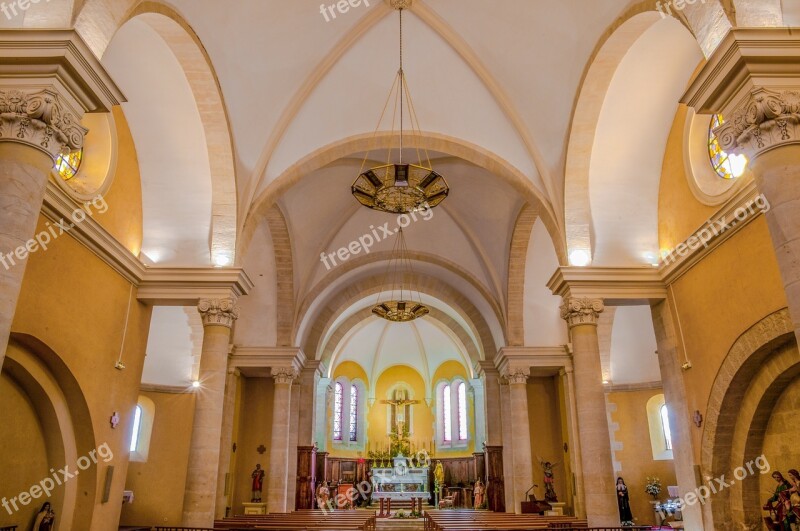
(752, 78)
(257, 361)
(171, 389)
(58, 58)
(615, 285)
(622, 388)
(510, 360)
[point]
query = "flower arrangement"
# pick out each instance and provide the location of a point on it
(653, 487)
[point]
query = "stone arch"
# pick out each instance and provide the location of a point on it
(459, 148)
(284, 273)
(202, 78)
(65, 419)
(348, 295)
(757, 368)
(516, 275)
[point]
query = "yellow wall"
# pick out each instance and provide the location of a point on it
(76, 305)
(158, 484)
(254, 429)
(636, 455)
(547, 443)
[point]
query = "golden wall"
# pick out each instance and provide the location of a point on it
(636, 454)
(547, 442)
(253, 429)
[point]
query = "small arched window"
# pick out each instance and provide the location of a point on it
(67, 166)
(338, 406)
(462, 411)
(353, 413)
(446, 416)
(665, 426)
(137, 428)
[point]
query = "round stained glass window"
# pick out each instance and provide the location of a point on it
(726, 166)
(67, 166)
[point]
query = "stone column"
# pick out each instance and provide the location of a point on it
(677, 405)
(567, 375)
(226, 443)
(200, 497)
(320, 414)
(753, 80)
(520, 436)
(595, 444)
(35, 126)
(294, 417)
(309, 380)
(278, 474)
(479, 400)
(508, 445)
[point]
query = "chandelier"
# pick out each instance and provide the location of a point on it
(400, 304)
(398, 187)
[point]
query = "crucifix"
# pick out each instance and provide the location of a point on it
(401, 410)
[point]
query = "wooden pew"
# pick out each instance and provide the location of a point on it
(470, 520)
(9, 528)
(311, 520)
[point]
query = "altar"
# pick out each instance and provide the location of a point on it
(400, 483)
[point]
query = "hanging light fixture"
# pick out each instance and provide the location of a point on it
(400, 187)
(400, 304)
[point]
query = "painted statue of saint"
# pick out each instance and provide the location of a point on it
(438, 473)
(480, 491)
(258, 484)
(323, 495)
(46, 519)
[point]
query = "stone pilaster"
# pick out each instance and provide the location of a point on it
(675, 396)
(508, 444)
(202, 475)
(226, 443)
(522, 478)
(753, 80)
(568, 379)
(595, 447)
(278, 474)
(320, 415)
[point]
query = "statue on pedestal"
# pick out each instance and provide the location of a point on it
(258, 484)
(549, 492)
(323, 495)
(480, 491)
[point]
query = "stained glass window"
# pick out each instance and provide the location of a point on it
(338, 400)
(137, 428)
(353, 413)
(448, 431)
(665, 426)
(67, 166)
(726, 166)
(462, 411)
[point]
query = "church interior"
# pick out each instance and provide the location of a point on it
(399, 264)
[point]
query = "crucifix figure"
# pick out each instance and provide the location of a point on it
(401, 410)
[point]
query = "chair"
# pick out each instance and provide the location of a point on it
(447, 501)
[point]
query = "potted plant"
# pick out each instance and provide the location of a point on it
(653, 488)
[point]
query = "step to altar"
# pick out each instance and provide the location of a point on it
(400, 524)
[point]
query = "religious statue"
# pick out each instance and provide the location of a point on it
(438, 474)
(258, 484)
(46, 519)
(624, 503)
(549, 492)
(480, 491)
(323, 495)
(783, 516)
(399, 421)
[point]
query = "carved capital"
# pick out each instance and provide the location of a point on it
(283, 375)
(219, 312)
(581, 311)
(764, 121)
(517, 376)
(40, 120)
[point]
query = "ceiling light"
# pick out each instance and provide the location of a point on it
(400, 304)
(579, 257)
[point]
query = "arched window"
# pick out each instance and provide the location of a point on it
(142, 418)
(658, 423)
(446, 419)
(452, 419)
(462, 411)
(353, 413)
(137, 428)
(665, 426)
(338, 406)
(726, 166)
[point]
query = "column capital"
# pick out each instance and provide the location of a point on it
(767, 119)
(218, 312)
(284, 375)
(584, 311)
(753, 80)
(516, 376)
(39, 119)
